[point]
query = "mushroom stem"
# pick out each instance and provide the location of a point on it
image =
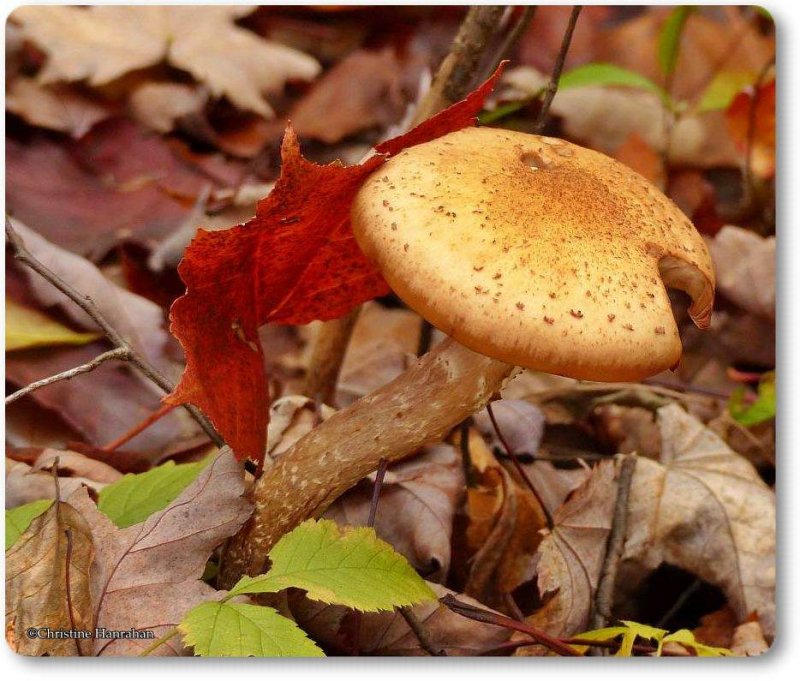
(419, 407)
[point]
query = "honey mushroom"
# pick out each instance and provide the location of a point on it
(526, 251)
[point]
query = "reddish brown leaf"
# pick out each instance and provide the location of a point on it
(751, 122)
(294, 262)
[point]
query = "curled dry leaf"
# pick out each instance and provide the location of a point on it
(102, 43)
(745, 265)
(503, 534)
(705, 509)
(387, 633)
(47, 582)
(25, 483)
(147, 576)
(55, 107)
(571, 556)
(416, 508)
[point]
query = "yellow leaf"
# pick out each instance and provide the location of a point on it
(29, 328)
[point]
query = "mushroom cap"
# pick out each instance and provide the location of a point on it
(536, 252)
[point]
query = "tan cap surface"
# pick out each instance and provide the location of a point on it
(536, 252)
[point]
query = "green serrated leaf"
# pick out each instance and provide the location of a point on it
(629, 631)
(18, 519)
(134, 497)
(29, 328)
(242, 630)
(686, 638)
(600, 73)
(763, 409)
(723, 88)
(350, 567)
(669, 42)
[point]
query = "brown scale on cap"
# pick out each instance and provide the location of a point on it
(551, 217)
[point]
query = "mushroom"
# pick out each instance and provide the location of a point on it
(536, 252)
(526, 251)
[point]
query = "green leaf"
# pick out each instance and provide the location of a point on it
(669, 42)
(723, 88)
(242, 630)
(350, 567)
(600, 73)
(629, 631)
(686, 638)
(763, 409)
(134, 497)
(29, 328)
(18, 519)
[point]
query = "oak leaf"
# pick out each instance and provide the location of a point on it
(296, 261)
(704, 509)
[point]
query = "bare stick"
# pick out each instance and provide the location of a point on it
(450, 84)
(162, 411)
(490, 617)
(23, 255)
(327, 356)
(418, 407)
(518, 466)
(558, 67)
(117, 353)
(604, 597)
(421, 633)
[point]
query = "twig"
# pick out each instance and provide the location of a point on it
(421, 633)
(451, 83)
(498, 620)
(327, 357)
(162, 411)
(117, 353)
(679, 603)
(558, 67)
(466, 452)
(518, 466)
(376, 491)
(23, 255)
(604, 597)
(512, 37)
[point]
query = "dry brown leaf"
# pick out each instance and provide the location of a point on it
(362, 91)
(147, 576)
(159, 105)
(387, 633)
(745, 266)
(47, 582)
(503, 534)
(521, 423)
(381, 348)
(102, 43)
(716, 628)
(705, 509)
(571, 556)
(748, 640)
(55, 107)
(416, 508)
(138, 320)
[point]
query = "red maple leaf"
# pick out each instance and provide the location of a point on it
(296, 261)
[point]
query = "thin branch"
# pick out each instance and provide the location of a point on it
(117, 353)
(24, 256)
(376, 491)
(604, 597)
(421, 633)
(512, 37)
(558, 67)
(489, 617)
(162, 411)
(518, 466)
